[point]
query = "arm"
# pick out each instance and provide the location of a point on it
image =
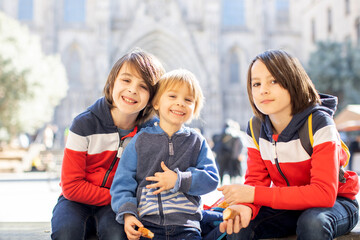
(74, 185)
(123, 188)
(322, 177)
(176, 180)
(256, 175)
(321, 191)
(203, 178)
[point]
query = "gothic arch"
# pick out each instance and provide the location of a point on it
(237, 54)
(72, 58)
(170, 50)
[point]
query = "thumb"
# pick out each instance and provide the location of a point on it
(221, 188)
(164, 167)
(138, 223)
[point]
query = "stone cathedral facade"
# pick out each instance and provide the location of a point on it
(215, 39)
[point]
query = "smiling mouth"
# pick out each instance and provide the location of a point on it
(177, 112)
(128, 100)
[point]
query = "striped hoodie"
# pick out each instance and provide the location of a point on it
(313, 180)
(90, 156)
(187, 153)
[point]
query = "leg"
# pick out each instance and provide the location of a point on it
(182, 233)
(269, 223)
(328, 223)
(69, 220)
(108, 228)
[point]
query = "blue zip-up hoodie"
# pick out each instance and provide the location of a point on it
(186, 153)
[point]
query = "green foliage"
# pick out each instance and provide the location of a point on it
(31, 83)
(335, 69)
(13, 88)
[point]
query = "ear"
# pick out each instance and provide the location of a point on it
(156, 106)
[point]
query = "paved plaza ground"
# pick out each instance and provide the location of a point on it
(27, 200)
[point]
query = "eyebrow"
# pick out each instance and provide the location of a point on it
(130, 75)
(126, 74)
(267, 77)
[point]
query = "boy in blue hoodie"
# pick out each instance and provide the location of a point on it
(165, 168)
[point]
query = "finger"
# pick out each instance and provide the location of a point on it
(164, 167)
(245, 220)
(158, 191)
(229, 227)
(138, 223)
(155, 185)
(222, 226)
(220, 188)
(130, 231)
(151, 179)
(237, 224)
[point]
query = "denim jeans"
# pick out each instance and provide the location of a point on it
(172, 232)
(73, 220)
(310, 224)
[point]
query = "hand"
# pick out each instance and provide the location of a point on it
(164, 180)
(242, 220)
(129, 226)
(238, 193)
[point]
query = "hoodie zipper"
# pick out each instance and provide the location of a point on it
(161, 210)
(119, 152)
(278, 165)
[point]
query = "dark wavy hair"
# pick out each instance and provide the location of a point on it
(290, 74)
(147, 66)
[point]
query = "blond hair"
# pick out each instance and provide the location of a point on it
(176, 78)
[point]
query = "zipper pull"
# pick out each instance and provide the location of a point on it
(171, 149)
(120, 151)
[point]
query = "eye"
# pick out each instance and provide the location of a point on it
(143, 86)
(172, 96)
(189, 100)
(126, 80)
(255, 84)
(274, 81)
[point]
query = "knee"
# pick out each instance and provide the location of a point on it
(313, 225)
(66, 233)
(67, 230)
(112, 232)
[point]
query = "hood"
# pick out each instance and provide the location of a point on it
(328, 105)
(102, 111)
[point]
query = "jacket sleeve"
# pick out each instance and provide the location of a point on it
(123, 188)
(203, 178)
(256, 173)
(74, 185)
(321, 191)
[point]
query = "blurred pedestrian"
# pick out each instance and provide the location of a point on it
(354, 148)
(228, 148)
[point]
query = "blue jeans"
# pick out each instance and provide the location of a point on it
(313, 223)
(73, 220)
(172, 232)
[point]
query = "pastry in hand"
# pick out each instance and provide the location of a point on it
(146, 233)
(229, 214)
(223, 205)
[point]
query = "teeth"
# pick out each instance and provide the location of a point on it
(179, 113)
(128, 100)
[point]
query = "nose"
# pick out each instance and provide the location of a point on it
(181, 102)
(132, 88)
(264, 89)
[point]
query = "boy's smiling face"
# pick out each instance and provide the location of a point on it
(176, 107)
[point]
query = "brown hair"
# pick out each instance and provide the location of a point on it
(147, 66)
(179, 77)
(290, 74)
